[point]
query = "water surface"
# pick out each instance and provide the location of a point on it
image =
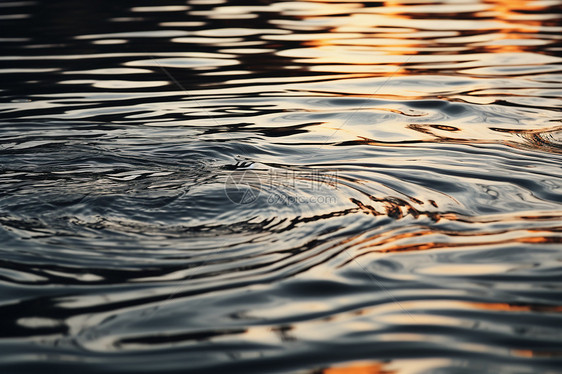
(310, 187)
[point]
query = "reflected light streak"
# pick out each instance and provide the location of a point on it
(373, 368)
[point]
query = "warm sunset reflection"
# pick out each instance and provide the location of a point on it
(516, 10)
(536, 353)
(390, 39)
(375, 368)
(503, 307)
(520, 29)
(451, 245)
(390, 242)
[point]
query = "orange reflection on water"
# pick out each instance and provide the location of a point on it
(374, 368)
(381, 244)
(452, 245)
(513, 37)
(513, 10)
(362, 50)
(530, 353)
(517, 308)
(385, 37)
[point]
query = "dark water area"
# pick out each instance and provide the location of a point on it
(288, 187)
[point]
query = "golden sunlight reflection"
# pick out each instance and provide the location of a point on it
(359, 368)
(406, 366)
(504, 307)
(528, 353)
(387, 40)
(519, 32)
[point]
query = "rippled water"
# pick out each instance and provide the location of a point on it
(313, 186)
